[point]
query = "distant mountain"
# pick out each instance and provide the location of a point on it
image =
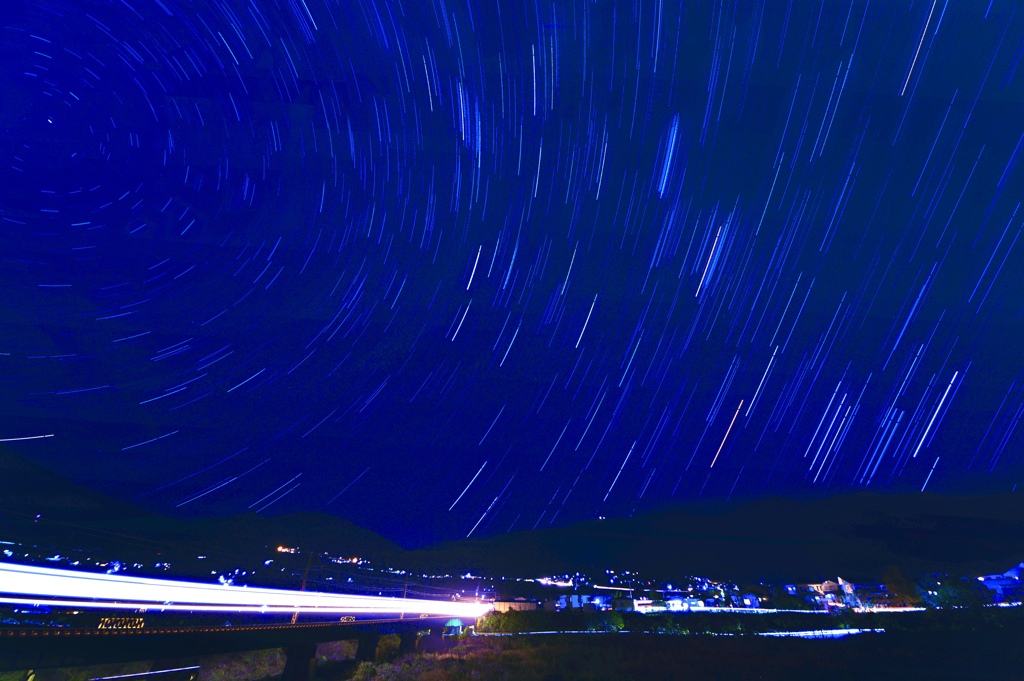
(854, 536)
(249, 534)
(42, 508)
(27, 490)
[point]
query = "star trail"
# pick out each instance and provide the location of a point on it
(449, 268)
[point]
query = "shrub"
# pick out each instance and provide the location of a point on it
(387, 647)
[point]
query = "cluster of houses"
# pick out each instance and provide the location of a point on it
(622, 603)
(829, 595)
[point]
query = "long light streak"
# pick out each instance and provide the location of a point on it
(729, 430)
(937, 410)
(587, 321)
(918, 50)
(461, 320)
(569, 271)
(759, 385)
(511, 343)
(469, 485)
(186, 607)
(930, 474)
(31, 584)
(710, 256)
(140, 674)
(620, 471)
(479, 248)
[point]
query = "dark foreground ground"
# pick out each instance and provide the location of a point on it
(650, 657)
(964, 648)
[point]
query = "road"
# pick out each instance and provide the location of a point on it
(29, 585)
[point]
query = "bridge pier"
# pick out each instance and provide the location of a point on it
(408, 642)
(366, 650)
(300, 662)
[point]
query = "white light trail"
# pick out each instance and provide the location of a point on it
(566, 282)
(758, 391)
(30, 584)
(475, 262)
(710, 256)
(140, 674)
(620, 471)
(918, 50)
(461, 320)
(930, 474)
(937, 410)
(726, 434)
(587, 320)
(470, 483)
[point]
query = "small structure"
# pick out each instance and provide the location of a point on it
(623, 604)
(518, 604)
(648, 605)
(452, 627)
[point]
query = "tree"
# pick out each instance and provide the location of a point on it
(781, 599)
(901, 590)
(941, 590)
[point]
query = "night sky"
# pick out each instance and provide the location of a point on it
(449, 268)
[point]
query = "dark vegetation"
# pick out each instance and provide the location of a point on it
(929, 620)
(900, 655)
(333, 660)
(966, 643)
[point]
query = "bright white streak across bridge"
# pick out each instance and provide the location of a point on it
(29, 584)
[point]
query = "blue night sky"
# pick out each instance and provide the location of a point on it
(449, 268)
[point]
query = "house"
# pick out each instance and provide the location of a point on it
(573, 602)
(848, 594)
(868, 595)
(739, 599)
(680, 604)
(827, 594)
(1006, 587)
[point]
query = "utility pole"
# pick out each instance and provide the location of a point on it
(305, 575)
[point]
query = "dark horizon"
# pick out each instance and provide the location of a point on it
(448, 270)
